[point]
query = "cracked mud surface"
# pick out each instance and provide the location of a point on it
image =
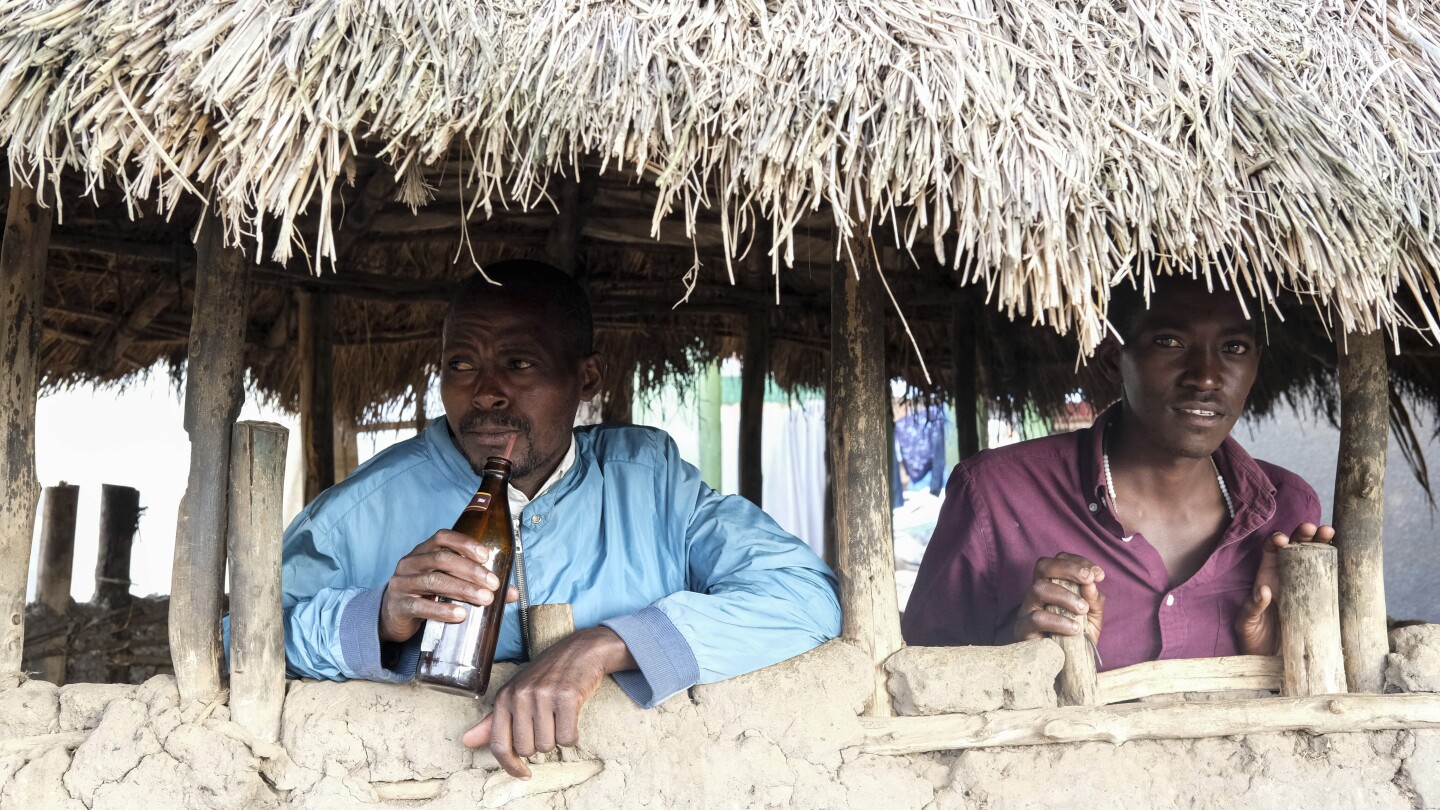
(782, 737)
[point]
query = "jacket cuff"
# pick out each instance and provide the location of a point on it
(666, 663)
(365, 656)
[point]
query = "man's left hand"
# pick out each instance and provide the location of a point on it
(540, 707)
(1257, 626)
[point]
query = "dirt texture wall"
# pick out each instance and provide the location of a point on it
(784, 737)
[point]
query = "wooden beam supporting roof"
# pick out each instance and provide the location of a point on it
(214, 392)
(859, 457)
(1360, 509)
(22, 286)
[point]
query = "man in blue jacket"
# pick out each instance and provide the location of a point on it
(671, 583)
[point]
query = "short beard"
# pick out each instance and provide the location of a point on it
(518, 467)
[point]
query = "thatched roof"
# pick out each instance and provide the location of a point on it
(1027, 154)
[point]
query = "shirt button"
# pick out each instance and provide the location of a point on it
(1169, 600)
(535, 519)
(1094, 507)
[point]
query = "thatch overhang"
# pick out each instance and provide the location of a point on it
(1014, 158)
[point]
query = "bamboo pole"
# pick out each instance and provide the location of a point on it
(549, 624)
(1309, 611)
(864, 538)
(257, 642)
(1078, 683)
(57, 547)
(317, 399)
(22, 291)
(1360, 509)
(967, 396)
(214, 391)
(752, 406)
(119, 520)
(1149, 721)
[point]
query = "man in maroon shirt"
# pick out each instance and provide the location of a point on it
(1168, 527)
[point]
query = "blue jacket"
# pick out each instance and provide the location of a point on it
(700, 586)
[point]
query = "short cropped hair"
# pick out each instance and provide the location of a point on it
(563, 296)
(1127, 303)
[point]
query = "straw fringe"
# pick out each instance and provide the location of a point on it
(1036, 147)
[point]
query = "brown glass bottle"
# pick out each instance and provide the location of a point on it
(456, 658)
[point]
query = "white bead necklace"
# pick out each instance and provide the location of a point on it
(1110, 483)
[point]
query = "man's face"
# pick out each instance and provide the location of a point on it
(507, 371)
(1186, 369)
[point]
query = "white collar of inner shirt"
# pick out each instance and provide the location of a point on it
(518, 501)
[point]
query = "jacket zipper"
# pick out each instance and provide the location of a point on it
(524, 593)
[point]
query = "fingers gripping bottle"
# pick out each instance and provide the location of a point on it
(456, 658)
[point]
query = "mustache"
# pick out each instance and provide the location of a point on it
(491, 419)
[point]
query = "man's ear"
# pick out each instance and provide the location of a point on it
(1107, 358)
(592, 375)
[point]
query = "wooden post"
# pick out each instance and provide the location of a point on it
(317, 397)
(214, 391)
(257, 638)
(347, 448)
(549, 624)
(572, 201)
(618, 405)
(1309, 608)
(864, 539)
(712, 444)
(1078, 683)
(57, 547)
(119, 520)
(57, 559)
(752, 406)
(22, 293)
(1360, 509)
(967, 396)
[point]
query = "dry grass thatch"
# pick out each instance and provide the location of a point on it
(1036, 147)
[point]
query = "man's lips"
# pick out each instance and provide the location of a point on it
(491, 435)
(1200, 412)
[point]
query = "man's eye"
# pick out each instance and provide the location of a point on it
(521, 364)
(460, 365)
(1237, 348)
(1167, 342)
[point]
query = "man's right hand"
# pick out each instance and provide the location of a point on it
(449, 564)
(1034, 621)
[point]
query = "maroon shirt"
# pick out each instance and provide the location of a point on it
(1006, 508)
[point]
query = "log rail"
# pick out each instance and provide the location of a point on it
(1322, 714)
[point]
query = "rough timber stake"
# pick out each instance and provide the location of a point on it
(257, 641)
(1309, 621)
(1078, 684)
(119, 520)
(965, 325)
(57, 559)
(1360, 509)
(317, 390)
(752, 406)
(57, 547)
(214, 391)
(859, 458)
(549, 624)
(22, 288)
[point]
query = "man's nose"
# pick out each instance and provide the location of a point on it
(489, 392)
(1203, 370)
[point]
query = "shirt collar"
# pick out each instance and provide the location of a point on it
(457, 468)
(518, 500)
(1249, 486)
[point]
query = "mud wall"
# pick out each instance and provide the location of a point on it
(787, 736)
